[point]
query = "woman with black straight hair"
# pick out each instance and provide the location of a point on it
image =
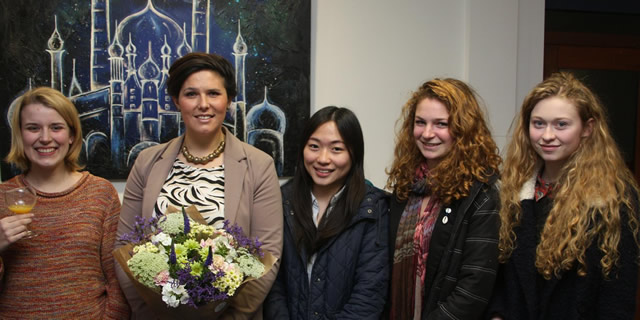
(334, 262)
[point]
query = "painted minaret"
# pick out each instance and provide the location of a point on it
(184, 47)
(131, 98)
(100, 41)
(168, 117)
(74, 87)
(149, 79)
(200, 25)
(117, 120)
(56, 50)
(240, 114)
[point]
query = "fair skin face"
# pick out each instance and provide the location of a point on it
(46, 138)
(555, 132)
(203, 103)
(431, 131)
(327, 161)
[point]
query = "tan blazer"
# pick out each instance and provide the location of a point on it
(251, 199)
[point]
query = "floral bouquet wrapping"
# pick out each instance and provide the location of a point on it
(185, 268)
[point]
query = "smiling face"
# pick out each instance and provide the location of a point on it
(46, 137)
(203, 103)
(431, 131)
(327, 159)
(555, 130)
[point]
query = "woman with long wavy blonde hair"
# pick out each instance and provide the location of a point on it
(569, 212)
(444, 212)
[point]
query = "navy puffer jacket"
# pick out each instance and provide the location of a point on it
(350, 275)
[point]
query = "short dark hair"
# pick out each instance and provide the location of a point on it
(193, 62)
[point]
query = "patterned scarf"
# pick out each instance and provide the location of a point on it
(412, 247)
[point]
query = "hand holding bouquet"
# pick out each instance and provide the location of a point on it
(187, 262)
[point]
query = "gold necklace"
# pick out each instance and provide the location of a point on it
(208, 158)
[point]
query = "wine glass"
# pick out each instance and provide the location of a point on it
(21, 201)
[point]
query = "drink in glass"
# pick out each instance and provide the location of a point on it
(21, 201)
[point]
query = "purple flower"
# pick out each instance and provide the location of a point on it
(143, 230)
(209, 259)
(187, 227)
(200, 288)
(243, 241)
(172, 255)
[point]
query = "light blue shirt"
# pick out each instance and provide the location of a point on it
(315, 209)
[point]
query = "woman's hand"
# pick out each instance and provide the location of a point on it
(13, 228)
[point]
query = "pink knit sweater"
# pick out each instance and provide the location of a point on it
(67, 271)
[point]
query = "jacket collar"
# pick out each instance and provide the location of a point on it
(159, 172)
(528, 190)
(235, 168)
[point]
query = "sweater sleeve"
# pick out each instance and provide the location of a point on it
(372, 272)
(117, 307)
(478, 267)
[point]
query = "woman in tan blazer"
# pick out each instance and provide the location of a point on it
(210, 168)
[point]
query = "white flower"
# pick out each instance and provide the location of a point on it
(163, 238)
(251, 266)
(222, 241)
(170, 300)
(174, 295)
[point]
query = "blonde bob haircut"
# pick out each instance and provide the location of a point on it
(594, 188)
(55, 100)
(473, 156)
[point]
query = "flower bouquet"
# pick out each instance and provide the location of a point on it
(186, 268)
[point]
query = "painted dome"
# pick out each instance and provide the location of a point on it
(265, 115)
(149, 25)
(149, 69)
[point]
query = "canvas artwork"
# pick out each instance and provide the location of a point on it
(111, 58)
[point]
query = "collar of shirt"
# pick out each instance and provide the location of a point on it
(543, 188)
(315, 208)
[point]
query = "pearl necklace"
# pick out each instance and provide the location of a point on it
(208, 158)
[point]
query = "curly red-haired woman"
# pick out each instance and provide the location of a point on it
(444, 214)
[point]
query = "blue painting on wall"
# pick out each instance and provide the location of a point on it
(111, 58)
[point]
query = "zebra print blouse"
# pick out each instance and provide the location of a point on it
(202, 187)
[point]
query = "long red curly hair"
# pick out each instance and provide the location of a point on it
(473, 155)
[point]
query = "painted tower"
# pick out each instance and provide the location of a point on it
(116, 62)
(74, 86)
(100, 41)
(149, 75)
(200, 25)
(239, 113)
(56, 50)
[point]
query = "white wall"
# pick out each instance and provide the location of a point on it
(368, 55)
